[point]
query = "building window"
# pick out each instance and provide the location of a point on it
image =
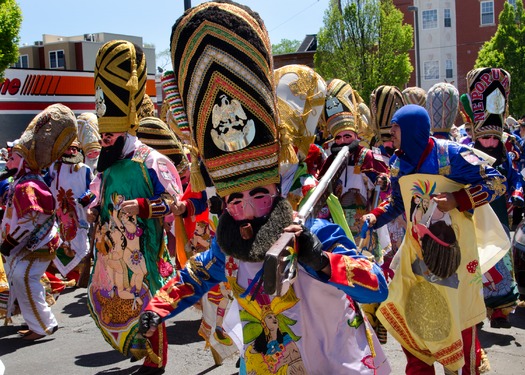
(449, 71)
(512, 2)
(430, 19)
(56, 59)
(23, 61)
(487, 12)
(446, 18)
(431, 70)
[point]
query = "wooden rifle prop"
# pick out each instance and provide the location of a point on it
(280, 262)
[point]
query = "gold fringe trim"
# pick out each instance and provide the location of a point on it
(196, 179)
(485, 364)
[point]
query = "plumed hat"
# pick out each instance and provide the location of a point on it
(340, 110)
(88, 135)
(384, 101)
(222, 62)
(120, 85)
(300, 101)
(156, 133)
(47, 136)
(442, 106)
(488, 91)
(415, 95)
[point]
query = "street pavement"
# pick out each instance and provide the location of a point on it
(78, 348)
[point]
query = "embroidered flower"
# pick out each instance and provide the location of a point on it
(136, 257)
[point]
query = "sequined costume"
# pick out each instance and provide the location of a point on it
(426, 313)
(338, 341)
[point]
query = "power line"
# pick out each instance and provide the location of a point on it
(295, 15)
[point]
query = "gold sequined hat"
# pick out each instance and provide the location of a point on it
(300, 100)
(415, 95)
(156, 133)
(384, 101)
(223, 65)
(341, 108)
(47, 136)
(120, 85)
(488, 91)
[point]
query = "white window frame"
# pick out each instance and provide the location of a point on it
(449, 68)
(484, 12)
(23, 61)
(57, 59)
(431, 67)
(429, 19)
(447, 16)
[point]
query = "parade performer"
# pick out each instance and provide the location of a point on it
(30, 235)
(357, 182)
(226, 83)
(435, 298)
(488, 90)
(69, 179)
(137, 186)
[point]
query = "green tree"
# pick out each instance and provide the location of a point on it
(10, 21)
(506, 49)
(365, 43)
(285, 46)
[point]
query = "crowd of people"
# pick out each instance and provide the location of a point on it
(154, 210)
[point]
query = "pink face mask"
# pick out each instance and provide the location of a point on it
(489, 141)
(250, 204)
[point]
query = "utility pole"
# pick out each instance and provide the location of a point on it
(416, 37)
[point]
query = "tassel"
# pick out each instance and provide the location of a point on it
(196, 179)
(287, 154)
(485, 364)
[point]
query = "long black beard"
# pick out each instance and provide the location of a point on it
(110, 154)
(6, 173)
(499, 152)
(267, 231)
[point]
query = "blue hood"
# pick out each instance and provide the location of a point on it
(415, 132)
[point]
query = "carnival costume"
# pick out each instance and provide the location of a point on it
(131, 261)
(69, 180)
(225, 79)
(488, 92)
(29, 231)
(433, 311)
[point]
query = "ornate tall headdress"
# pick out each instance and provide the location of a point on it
(384, 102)
(340, 110)
(47, 136)
(88, 135)
(442, 106)
(488, 91)
(415, 95)
(222, 62)
(300, 100)
(120, 84)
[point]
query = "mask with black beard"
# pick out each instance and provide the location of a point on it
(499, 152)
(266, 231)
(110, 154)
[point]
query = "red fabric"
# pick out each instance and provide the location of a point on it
(471, 346)
(159, 344)
(349, 271)
(143, 208)
(172, 292)
(33, 195)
